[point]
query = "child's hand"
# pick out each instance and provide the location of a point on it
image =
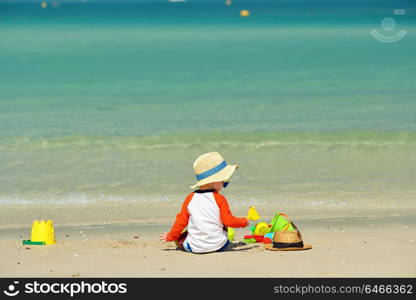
(163, 237)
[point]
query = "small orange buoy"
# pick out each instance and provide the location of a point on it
(244, 13)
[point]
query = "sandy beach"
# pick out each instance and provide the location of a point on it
(354, 247)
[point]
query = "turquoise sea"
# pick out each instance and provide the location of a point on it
(111, 101)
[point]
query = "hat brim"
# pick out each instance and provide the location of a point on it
(270, 247)
(222, 175)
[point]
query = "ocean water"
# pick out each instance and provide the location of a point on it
(111, 101)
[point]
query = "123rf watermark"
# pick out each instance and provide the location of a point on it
(365, 289)
(388, 33)
(63, 288)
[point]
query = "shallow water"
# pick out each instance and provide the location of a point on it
(104, 102)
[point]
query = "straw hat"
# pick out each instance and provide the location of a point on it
(287, 241)
(211, 167)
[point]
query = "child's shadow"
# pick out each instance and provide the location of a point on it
(239, 246)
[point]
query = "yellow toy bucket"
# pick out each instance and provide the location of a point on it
(43, 231)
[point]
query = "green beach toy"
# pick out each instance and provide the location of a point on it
(281, 222)
(29, 242)
(230, 232)
(250, 241)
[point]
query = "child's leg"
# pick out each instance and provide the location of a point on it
(223, 248)
(187, 247)
(182, 244)
(227, 244)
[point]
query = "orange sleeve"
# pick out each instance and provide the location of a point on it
(227, 217)
(181, 220)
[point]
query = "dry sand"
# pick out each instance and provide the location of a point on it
(371, 247)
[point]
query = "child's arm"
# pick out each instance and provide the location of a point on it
(181, 221)
(227, 217)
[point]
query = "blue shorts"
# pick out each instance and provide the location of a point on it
(188, 248)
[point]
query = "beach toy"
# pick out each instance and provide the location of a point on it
(281, 222)
(230, 232)
(43, 233)
(29, 242)
(252, 214)
(249, 239)
(268, 238)
(253, 238)
(263, 232)
(261, 228)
